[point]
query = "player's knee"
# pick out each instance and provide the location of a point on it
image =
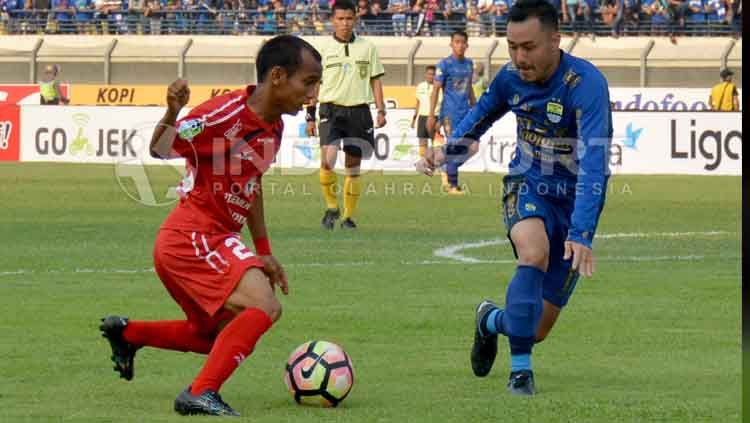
(541, 335)
(535, 257)
(273, 309)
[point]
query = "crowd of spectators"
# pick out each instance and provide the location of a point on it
(376, 17)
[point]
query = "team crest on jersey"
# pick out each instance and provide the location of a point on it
(189, 129)
(554, 112)
(363, 66)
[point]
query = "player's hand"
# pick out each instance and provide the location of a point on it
(583, 257)
(413, 122)
(310, 129)
(430, 124)
(178, 95)
(433, 158)
(380, 121)
(276, 274)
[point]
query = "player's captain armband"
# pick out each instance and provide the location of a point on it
(190, 128)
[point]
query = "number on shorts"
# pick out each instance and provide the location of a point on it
(239, 250)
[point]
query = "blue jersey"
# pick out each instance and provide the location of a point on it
(564, 135)
(455, 76)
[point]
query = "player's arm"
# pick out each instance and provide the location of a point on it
(416, 113)
(256, 223)
(163, 137)
(376, 83)
(491, 107)
(591, 103)
(736, 100)
(472, 97)
(377, 92)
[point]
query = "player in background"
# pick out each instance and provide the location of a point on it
(351, 81)
(554, 192)
(724, 96)
(422, 109)
(480, 83)
(49, 89)
(226, 291)
(453, 78)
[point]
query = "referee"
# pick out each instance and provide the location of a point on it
(351, 78)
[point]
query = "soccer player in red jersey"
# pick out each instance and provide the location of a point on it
(226, 291)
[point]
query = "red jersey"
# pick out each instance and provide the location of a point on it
(227, 149)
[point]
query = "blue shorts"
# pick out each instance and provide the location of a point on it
(522, 200)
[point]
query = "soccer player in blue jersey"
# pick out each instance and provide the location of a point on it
(453, 76)
(555, 189)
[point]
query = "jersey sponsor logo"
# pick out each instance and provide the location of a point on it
(571, 78)
(554, 112)
(232, 132)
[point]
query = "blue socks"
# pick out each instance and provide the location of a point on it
(520, 319)
(451, 168)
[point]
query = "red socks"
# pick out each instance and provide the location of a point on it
(234, 343)
(179, 335)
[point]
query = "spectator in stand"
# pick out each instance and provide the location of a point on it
(736, 20)
(659, 14)
(397, 9)
(473, 28)
(64, 13)
(363, 11)
(136, 20)
(375, 19)
(486, 10)
(153, 13)
(696, 14)
(454, 13)
(716, 14)
(677, 14)
(4, 17)
(428, 17)
(84, 15)
(573, 8)
(501, 8)
(628, 12)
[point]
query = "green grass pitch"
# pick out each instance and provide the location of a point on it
(653, 336)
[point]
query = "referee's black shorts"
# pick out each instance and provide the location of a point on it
(422, 132)
(351, 126)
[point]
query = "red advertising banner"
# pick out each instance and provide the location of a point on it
(10, 130)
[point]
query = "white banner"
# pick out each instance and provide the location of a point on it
(662, 99)
(644, 143)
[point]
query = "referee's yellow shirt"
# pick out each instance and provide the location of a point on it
(424, 94)
(347, 70)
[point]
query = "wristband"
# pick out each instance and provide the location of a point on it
(262, 246)
(310, 116)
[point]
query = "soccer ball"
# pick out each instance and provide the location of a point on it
(319, 373)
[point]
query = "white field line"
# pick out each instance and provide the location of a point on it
(453, 252)
(450, 252)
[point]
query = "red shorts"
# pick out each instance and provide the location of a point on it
(200, 271)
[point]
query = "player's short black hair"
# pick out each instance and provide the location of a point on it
(430, 68)
(460, 33)
(343, 5)
(540, 9)
(284, 51)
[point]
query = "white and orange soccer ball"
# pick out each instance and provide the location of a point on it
(319, 373)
